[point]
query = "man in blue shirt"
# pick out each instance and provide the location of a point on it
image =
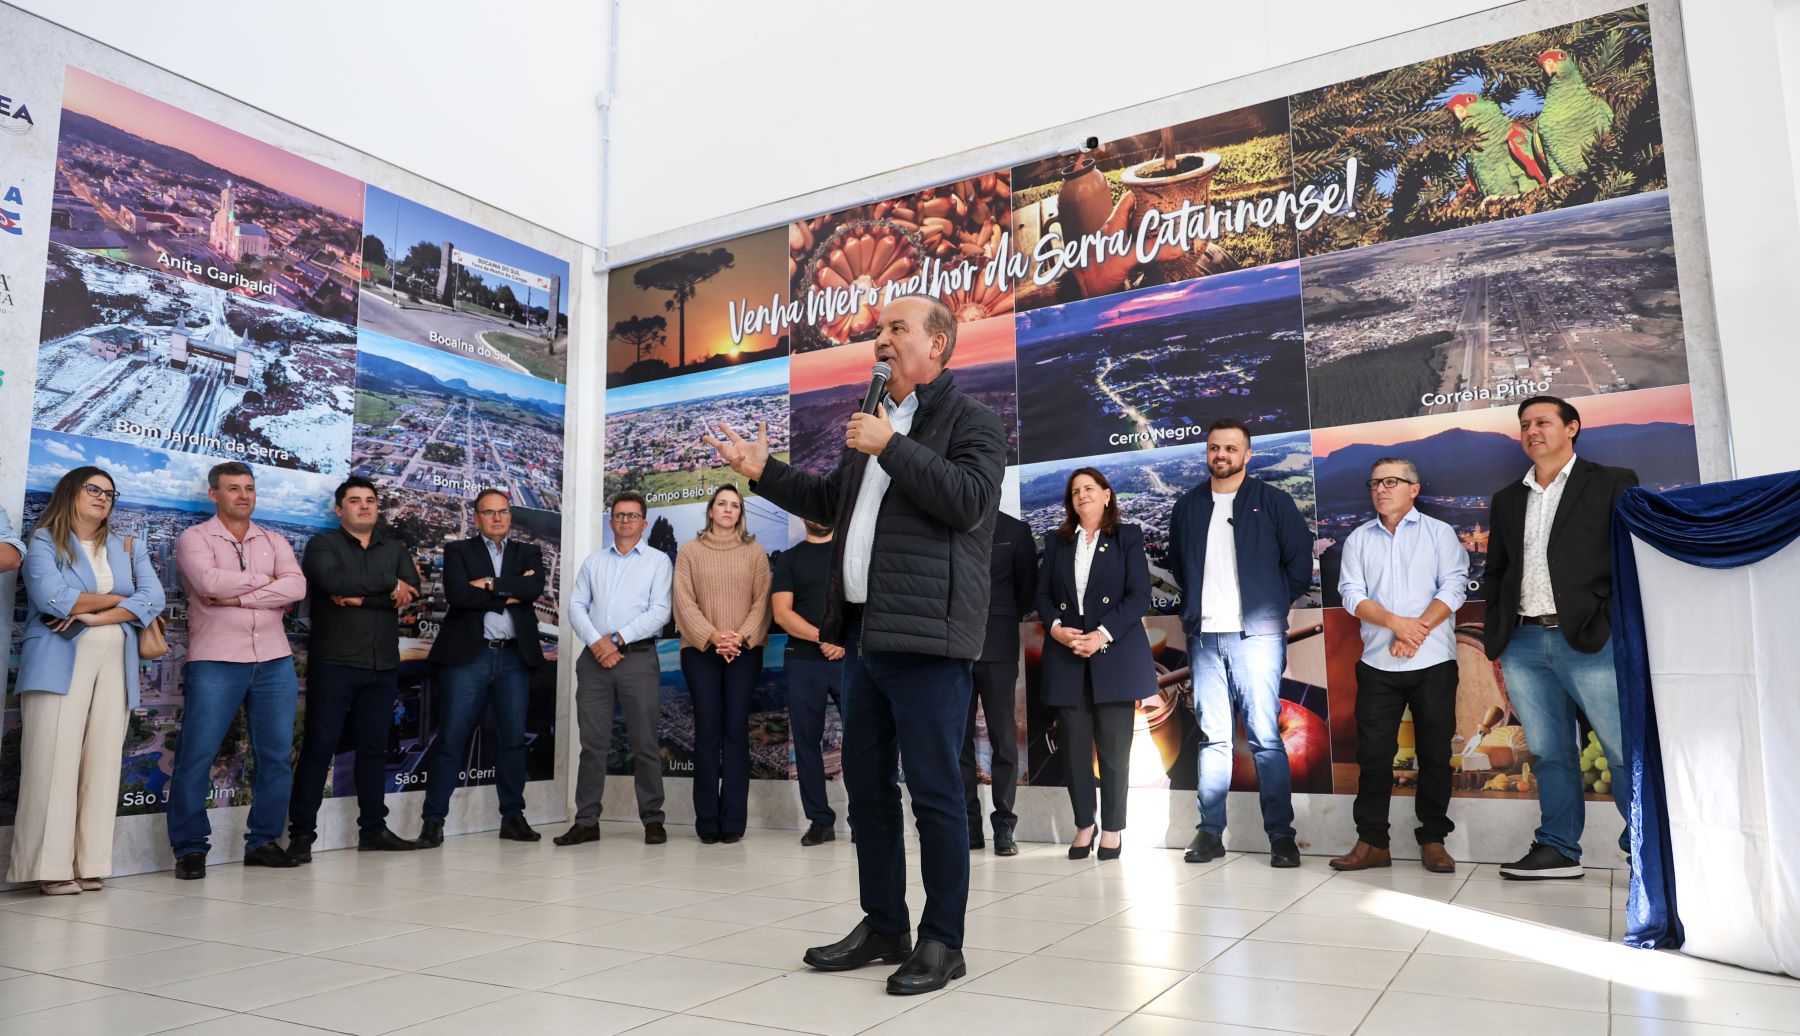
(1243, 554)
(1404, 575)
(621, 602)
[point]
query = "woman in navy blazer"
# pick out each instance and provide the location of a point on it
(78, 680)
(1093, 589)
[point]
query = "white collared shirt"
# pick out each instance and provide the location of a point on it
(1536, 597)
(859, 538)
(1085, 549)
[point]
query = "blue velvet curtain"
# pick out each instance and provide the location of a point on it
(1720, 525)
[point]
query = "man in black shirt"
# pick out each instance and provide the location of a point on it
(359, 579)
(814, 670)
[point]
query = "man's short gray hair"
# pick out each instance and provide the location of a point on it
(1412, 470)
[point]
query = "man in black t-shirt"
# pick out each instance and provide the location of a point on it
(814, 670)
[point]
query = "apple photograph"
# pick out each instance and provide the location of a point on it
(440, 422)
(162, 493)
(1216, 164)
(1147, 483)
(1571, 302)
(154, 359)
(1152, 368)
(653, 429)
(1564, 116)
(702, 309)
(1465, 458)
(434, 280)
(827, 386)
(1490, 756)
(1165, 744)
(938, 241)
(144, 182)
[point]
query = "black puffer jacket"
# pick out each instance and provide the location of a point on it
(928, 572)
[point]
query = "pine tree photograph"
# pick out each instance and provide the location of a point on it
(1552, 119)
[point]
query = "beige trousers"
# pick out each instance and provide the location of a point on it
(72, 747)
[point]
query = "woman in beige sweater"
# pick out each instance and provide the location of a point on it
(722, 609)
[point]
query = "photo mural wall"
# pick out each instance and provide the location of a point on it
(207, 297)
(1382, 266)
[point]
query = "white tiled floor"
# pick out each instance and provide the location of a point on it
(486, 936)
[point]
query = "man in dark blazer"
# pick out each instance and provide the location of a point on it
(913, 501)
(1243, 554)
(1013, 570)
(484, 654)
(1549, 623)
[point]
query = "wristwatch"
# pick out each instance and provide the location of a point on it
(618, 641)
(490, 584)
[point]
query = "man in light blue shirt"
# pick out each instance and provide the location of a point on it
(620, 604)
(1404, 575)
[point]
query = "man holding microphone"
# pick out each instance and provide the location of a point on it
(914, 499)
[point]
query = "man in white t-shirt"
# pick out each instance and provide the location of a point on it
(1243, 554)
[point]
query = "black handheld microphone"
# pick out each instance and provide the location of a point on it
(878, 379)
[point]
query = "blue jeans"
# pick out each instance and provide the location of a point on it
(269, 693)
(721, 692)
(903, 705)
(1241, 671)
(1547, 680)
(498, 678)
(810, 683)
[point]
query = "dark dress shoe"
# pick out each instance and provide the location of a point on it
(515, 829)
(1284, 853)
(191, 866)
(976, 841)
(1205, 847)
(431, 834)
(381, 840)
(655, 833)
(269, 854)
(709, 837)
(1004, 844)
(861, 946)
(578, 834)
(1105, 853)
(930, 968)
(1361, 858)
(818, 834)
(731, 837)
(1080, 852)
(1436, 858)
(300, 847)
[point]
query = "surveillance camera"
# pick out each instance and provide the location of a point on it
(1090, 144)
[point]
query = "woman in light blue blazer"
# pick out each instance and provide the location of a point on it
(78, 681)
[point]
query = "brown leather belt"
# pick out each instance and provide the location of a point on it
(1538, 620)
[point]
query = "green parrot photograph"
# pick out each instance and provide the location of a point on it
(1510, 160)
(1573, 118)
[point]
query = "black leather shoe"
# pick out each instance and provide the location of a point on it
(655, 833)
(299, 847)
(191, 866)
(818, 834)
(1004, 844)
(861, 946)
(976, 841)
(515, 829)
(1203, 848)
(930, 968)
(1284, 853)
(431, 834)
(709, 838)
(577, 834)
(269, 854)
(731, 837)
(383, 841)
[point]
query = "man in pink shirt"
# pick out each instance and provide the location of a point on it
(239, 579)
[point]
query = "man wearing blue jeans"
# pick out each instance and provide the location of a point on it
(239, 579)
(485, 654)
(1549, 623)
(1243, 555)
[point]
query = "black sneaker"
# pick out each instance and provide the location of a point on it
(1540, 864)
(1204, 848)
(1284, 853)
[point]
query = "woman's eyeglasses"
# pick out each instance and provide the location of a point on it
(109, 495)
